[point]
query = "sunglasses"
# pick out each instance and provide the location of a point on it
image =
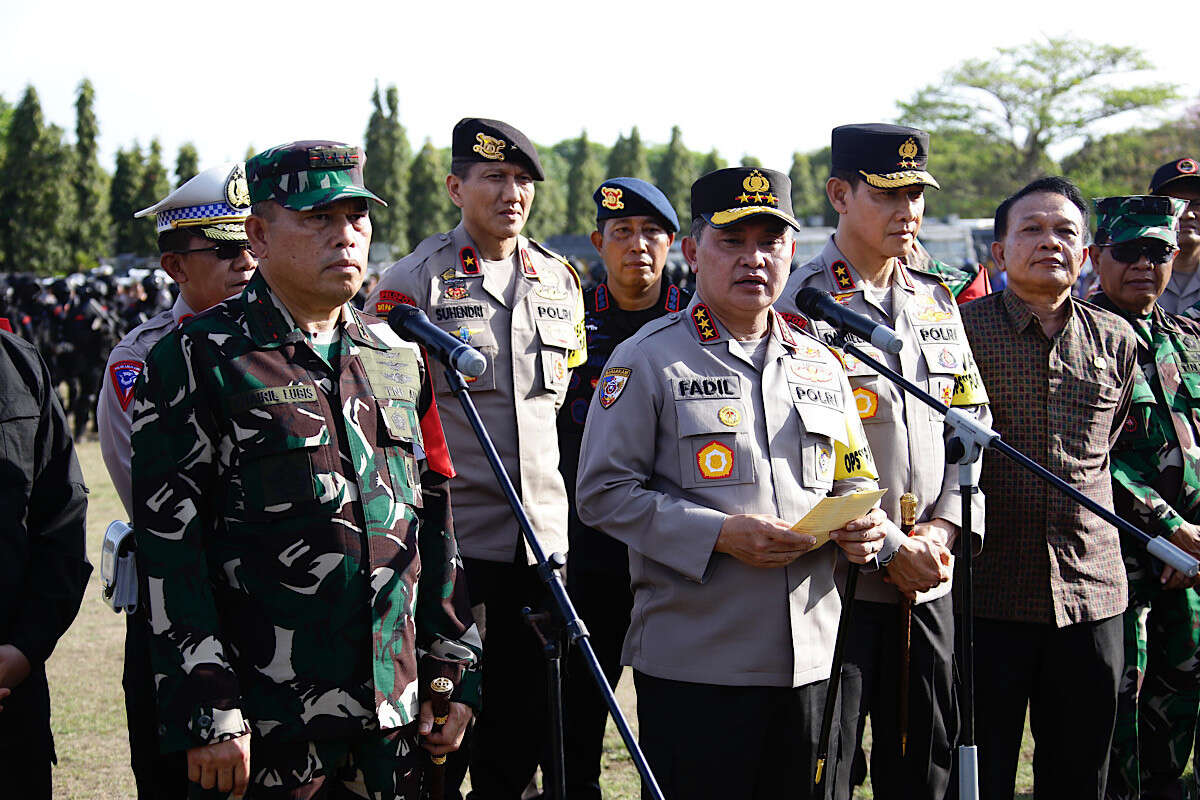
(1157, 253)
(225, 250)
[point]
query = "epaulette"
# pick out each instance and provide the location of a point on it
(655, 325)
(421, 253)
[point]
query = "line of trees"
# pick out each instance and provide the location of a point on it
(994, 122)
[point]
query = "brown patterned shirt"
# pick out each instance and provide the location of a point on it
(1062, 402)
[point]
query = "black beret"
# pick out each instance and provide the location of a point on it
(485, 140)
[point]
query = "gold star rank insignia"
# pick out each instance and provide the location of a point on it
(704, 325)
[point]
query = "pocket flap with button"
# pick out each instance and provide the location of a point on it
(557, 333)
(714, 443)
(283, 448)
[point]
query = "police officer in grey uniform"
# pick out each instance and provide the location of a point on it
(712, 431)
(877, 188)
(520, 305)
(1181, 179)
(202, 238)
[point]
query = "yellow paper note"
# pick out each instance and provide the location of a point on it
(833, 513)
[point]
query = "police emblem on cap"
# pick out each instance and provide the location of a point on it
(237, 191)
(489, 147)
(612, 198)
(756, 182)
(908, 151)
(1187, 166)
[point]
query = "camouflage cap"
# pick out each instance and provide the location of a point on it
(1122, 219)
(307, 175)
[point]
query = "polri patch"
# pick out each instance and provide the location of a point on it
(612, 383)
(124, 375)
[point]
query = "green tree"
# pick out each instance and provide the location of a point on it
(1036, 95)
(675, 173)
(628, 157)
(750, 161)
(430, 209)
(808, 188)
(155, 185)
(187, 163)
(549, 214)
(6, 112)
(389, 156)
(123, 198)
(976, 172)
(583, 177)
(1122, 163)
(90, 233)
(712, 162)
(35, 192)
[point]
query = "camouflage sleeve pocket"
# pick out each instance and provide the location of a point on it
(399, 435)
(283, 453)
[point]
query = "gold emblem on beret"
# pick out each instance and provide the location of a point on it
(612, 198)
(237, 190)
(441, 684)
(489, 147)
(908, 151)
(758, 190)
(729, 416)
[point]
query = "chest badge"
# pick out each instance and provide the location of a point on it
(715, 461)
(729, 416)
(456, 291)
(547, 292)
(947, 359)
(867, 402)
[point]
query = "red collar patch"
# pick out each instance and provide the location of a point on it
(124, 375)
(841, 275)
(468, 261)
(785, 331)
(705, 328)
(527, 264)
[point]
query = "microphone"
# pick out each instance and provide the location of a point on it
(412, 324)
(819, 305)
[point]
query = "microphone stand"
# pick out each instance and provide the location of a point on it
(577, 633)
(965, 447)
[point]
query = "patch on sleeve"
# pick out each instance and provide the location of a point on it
(968, 387)
(612, 383)
(388, 299)
(854, 459)
(124, 375)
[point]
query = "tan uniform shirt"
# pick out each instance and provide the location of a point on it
(530, 344)
(1182, 292)
(671, 447)
(907, 437)
(115, 407)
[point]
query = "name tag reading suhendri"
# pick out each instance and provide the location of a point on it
(273, 395)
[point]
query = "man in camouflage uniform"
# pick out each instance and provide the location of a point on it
(635, 226)
(877, 187)
(1181, 179)
(1156, 481)
(202, 238)
(520, 305)
(292, 518)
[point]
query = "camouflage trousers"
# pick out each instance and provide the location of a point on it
(378, 766)
(1159, 693)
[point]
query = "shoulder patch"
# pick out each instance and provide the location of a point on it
(612, 383)
(124, 375)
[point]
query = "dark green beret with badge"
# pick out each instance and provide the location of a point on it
(490, 140)
(1123, 219)
(886, 156)
(727, 196)
(308, 174)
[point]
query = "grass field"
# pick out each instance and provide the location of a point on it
(89, 710)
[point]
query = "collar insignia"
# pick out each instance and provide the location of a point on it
(704, 324)
(841, 276)
(527, 264)
(672, 298)
(469, 261)
(601, 297)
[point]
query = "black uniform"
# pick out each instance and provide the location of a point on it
(598, 569)
(43, 562)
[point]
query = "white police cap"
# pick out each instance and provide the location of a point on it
(214, 204)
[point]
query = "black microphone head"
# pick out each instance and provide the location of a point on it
(402, 313)
(809, 301)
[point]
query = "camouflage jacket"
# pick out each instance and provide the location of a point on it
(296, 548)
(1156, 460)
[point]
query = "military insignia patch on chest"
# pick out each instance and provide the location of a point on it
(124, 375)
(548, 292)
(612, 383)
(456, 290)
(715, 461)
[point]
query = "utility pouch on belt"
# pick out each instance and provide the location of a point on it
(118, 568)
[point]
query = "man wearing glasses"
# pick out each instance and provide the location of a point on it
(202, 238)
(1181, 179)
(1155, 469)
